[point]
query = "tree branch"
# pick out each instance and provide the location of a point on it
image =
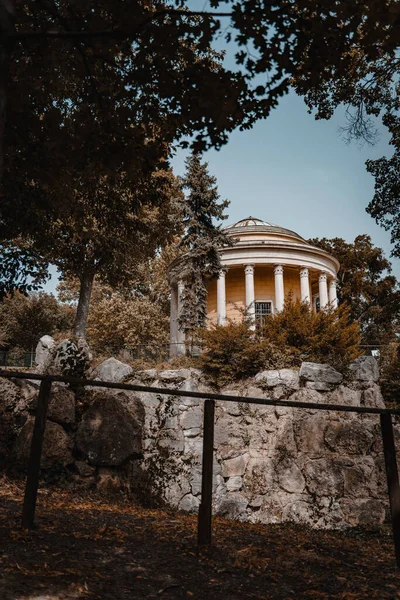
(120, 34)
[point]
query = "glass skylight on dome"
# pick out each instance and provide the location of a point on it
(256, 226)
(252, 222)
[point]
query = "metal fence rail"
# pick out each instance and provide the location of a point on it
(204, 527)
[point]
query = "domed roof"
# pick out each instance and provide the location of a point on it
(251, 224)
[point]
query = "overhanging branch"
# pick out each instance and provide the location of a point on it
(116, 34)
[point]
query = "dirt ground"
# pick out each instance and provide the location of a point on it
(87, 547)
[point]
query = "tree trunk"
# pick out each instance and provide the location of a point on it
(82, 311)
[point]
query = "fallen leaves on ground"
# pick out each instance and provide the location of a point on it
(87, 547)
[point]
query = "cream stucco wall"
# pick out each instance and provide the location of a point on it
(264, 287)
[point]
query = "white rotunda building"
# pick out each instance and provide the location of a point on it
(265, 264)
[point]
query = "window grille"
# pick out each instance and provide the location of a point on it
(262, 310)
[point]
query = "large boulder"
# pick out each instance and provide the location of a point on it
(57, 446)
(285, 377)
(28, 389)
(61, 405)
(365, 368)
(372, 397)
(112, 370)
(43, 352)
(176, 374)
(9, 394)
(319, 373)
(111, 429)
(233, 506)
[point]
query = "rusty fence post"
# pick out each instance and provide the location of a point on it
(392, 476)
(32, 481)
(205, 508)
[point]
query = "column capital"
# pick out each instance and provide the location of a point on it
(278, 270)
(323, 276)
(249, 269)
(323, 290)
(304, 285)
(181, 285)
(333, 282)
(221, 275)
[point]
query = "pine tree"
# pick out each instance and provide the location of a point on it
(202, 238)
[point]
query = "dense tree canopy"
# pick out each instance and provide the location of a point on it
(365, 77)
(89, 126)
(99, 93)
(25, 319)
(105, 232)
(366, 286)
(127, 318)
(385, 205)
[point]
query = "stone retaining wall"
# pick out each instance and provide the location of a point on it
(271, 464)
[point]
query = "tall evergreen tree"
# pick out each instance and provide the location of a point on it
(202, 238)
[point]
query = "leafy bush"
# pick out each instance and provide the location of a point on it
(327, 336)
(234, 351)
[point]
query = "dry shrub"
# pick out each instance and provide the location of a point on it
(233, 352)
(327, 336)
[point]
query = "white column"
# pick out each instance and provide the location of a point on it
(173, 326)
(323, 291)
(221, 299)
(180, 336)
(333, 301)
(249, 278)
(279, 288)
(304, 285)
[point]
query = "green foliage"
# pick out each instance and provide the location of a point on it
(385, 205)
(326, 336)
(25, 319)
(233, 352)
(21, 269)
(121, 318)
(201, 240)
(366, 286)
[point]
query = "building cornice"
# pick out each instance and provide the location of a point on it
(258, 245)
